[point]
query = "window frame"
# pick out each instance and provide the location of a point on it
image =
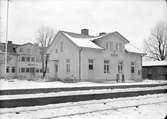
(13, 70)
(67, 65)
(120, 66)
(61, 46)
(23, 57)
(132, 67)
(23, 70)
(7, 69)
(28, 59)
(106, 66)
(111, 46)
(90, 64)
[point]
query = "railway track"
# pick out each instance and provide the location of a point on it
(101, 110)
(50, 90)
(105, 105)
(56, 99)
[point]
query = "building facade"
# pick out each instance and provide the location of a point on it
(81, 57)
(23, 61)
(155, 70)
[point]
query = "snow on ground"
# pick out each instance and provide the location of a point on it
(80, 92)
(25, 84)
(141, 107)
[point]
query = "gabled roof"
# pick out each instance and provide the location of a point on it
(155, 63)
(87, 40)
(112, 34)
(83, 41)
(11, 48)
(132, 49)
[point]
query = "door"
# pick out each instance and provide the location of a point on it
(56, 68)
(90, 69)
(120, 75)
(133, 70)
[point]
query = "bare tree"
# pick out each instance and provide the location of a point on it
(156, 44)
(45, 35)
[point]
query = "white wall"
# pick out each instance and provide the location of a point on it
(70, 51)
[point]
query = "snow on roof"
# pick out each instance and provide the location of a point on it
(83, 41)
(131, 48)
(155, 63)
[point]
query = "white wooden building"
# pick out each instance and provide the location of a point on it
(23, 61)
(82, 57)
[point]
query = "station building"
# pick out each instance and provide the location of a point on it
(83, 57)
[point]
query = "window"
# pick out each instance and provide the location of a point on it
(61, 46)
(90, 61)
(28, 59)
(7, 70)
(111, 46)
(132, 67)
(56, 51)
(117, 46)
(21, 49)
(139, 72)
(68, 65)
(14, 49)
(27, 70)
(32, 70)
(120, 67)
(32, 59)
(23, 59)
(56, 68)
(28, 51)
(22, 70)
(106, 45)
(13, 69)
(106, 66)
(37, 70)
(120, 47)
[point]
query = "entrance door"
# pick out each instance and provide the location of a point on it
(120, 75)
(90, 69)
(133, 70)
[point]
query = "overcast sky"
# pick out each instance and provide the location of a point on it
(133, 19)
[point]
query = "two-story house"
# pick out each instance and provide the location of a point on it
(82, 57)
(23, 61)
(29, 61)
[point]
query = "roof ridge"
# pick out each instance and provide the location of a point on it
(76, 33)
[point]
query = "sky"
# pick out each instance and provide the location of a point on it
(132, 18)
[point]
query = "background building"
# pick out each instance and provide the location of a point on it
(23, 61)
(155, 70)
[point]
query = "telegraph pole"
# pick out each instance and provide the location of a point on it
(6, 38)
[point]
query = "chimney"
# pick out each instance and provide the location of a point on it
(84, 31)
(9, 42)
(102, 33)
